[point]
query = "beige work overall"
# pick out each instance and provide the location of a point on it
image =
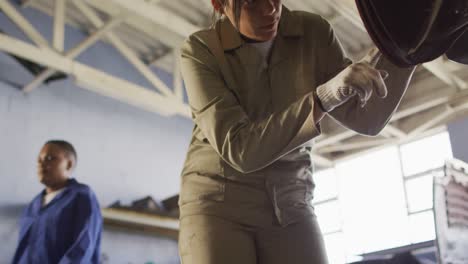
(247, 179)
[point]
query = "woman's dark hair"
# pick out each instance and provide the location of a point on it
(65, 146)
(237, 4)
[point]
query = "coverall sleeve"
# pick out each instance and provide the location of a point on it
(372, 118)
(88, 229)
(244, 144)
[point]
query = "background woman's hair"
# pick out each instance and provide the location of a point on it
(65, 146)
(217, 14)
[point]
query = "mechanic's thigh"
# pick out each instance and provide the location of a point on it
(298, 243)
(207, 239)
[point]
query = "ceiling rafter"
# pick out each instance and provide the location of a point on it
(178, 82)
(145, 26)
(353, 153)
(59, 25)
(23, 24)
(159, 16)
(408, 109)
(95, 80)
(74, 52)
(432, 120)
(125, 51)
(101, 81)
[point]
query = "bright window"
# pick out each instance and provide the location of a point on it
(420, 161)
(425, 154)
(419, 193)
(329, 217)
(325, 185)
(335, 245)
(421, 227)
(373, 203)
(379, 200)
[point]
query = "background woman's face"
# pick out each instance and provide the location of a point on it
(259, 19)
(53, 165)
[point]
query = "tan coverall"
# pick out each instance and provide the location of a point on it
(247, 179)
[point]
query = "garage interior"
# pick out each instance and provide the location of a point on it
(104, 75)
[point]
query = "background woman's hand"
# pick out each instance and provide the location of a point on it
(359, 79)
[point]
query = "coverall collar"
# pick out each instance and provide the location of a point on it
(231, 39)
(37, 204)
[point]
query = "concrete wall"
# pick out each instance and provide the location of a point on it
(124, 153)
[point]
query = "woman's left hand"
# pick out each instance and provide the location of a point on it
(359, 79)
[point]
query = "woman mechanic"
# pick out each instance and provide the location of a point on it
(259, 82)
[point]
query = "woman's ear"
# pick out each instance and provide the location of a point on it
(217, 6)
(69, 164)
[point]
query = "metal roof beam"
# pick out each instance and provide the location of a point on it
(148, 27)
(157, 15)
(74, 52)
(124, 50)
(96, 80)
(59, 25)
(23, 24)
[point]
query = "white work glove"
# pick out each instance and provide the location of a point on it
(360, 79)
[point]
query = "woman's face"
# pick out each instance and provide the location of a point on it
(53, 165)
(258, 20)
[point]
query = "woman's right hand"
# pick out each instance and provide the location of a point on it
(359, 79)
